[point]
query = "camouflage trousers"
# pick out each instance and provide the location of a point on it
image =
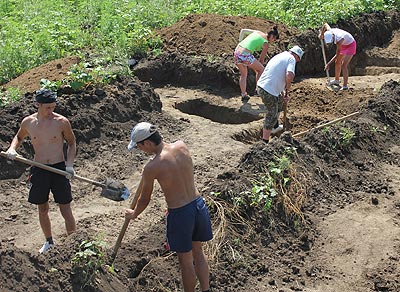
(273, 106)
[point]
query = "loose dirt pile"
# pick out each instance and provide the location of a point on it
(345, 237)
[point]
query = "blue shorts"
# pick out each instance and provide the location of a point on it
(187, 224)
(43, 181)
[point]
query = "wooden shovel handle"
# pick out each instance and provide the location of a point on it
(324, 56)
(126, 223)
(327, 124)
(285, 115)
(52, 169)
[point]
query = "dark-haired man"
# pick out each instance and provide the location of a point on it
(188, 221)
(48, 131)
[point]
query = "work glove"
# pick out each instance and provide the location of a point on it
(11, 154)
(71, 172)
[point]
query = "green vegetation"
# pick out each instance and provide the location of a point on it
(88, 260)
(338, 138)
(346, 134)
(9, 96)
(35, 32)
(276, 184)
(79, 76)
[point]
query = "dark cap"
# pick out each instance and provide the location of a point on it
(45, 96)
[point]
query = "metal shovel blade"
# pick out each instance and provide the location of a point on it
(115, 190)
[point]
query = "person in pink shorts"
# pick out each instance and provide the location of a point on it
(346, 47)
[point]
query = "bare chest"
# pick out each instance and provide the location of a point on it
(45, 132)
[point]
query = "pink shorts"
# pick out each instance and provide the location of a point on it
(349, 50)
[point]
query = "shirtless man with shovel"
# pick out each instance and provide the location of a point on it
(188, 221)
(48, 131)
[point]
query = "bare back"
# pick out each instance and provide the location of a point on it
(173, 169)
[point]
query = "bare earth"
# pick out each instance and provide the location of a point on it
(349, 239)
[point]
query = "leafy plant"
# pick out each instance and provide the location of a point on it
(88, 260)
(263, 192)
(9, 96)
(51, 85)
(325, 130)
(271, 184)
(83, 74)
(346, 134)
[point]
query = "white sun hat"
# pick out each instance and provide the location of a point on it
(141, 132)
(297, 50)
(328, 36)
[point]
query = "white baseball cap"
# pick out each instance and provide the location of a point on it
(328, 36)
(141, 132)
(297, 50)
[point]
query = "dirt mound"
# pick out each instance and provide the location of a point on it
(213, 38)
(54, 70)
(214, 35)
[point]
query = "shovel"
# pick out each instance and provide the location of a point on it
(126, 223)
(328, 85)
(111, 189)
(327, 70)
(285, 122)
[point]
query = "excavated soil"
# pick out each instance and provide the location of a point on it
(346, 235)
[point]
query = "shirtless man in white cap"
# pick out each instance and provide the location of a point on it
(188, 221)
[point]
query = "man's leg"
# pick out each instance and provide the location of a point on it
(187, 271)
(271, 113)
(69, 219)
(44, 219)
(201, 265)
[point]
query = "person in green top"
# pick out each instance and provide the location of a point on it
(255, 41)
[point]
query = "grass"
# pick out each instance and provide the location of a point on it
(35, 32)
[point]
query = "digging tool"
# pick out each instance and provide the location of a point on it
(327, 124)
(328, 85)
(111, 189)
(285, 122)
(323, 54)
(285, 116)
(126, 223)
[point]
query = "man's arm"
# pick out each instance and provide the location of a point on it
(17, 140)
(69, 136)
(144, 196)
(289, 79)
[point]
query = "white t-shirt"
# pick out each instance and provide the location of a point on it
(339, 34)
(273, 79)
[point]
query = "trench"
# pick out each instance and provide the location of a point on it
(215, 113)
